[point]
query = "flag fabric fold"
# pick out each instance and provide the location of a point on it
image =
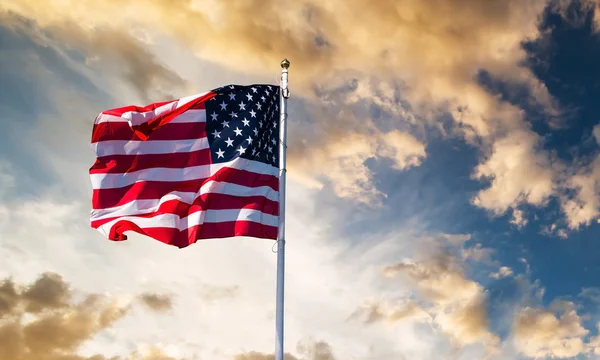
(200, 167)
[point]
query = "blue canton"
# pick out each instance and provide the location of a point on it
(243, 121)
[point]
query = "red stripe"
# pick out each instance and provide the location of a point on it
(145, 129)
(143, 190)
(142, 109)
(189, 236)
(119, 164)
(212, 201)
(133, 108)
(108, 130)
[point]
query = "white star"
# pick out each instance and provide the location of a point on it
(233, 114)
(260, 123)
(214, 116)
(249, 140)
(258, 106)
(252, 113)
(253, 90)
(229, 142)
(270, 149)
(249, 97)
(231, 96)
(225, 123)
(242, 106)
(223, 105)
(263, 98)
(259, 143)
(216, 134)
(269, 86)
(241, 150)
(273, 141)
(246, 122)
(255, 132)
(220, 153)
(253, 152)
(237, 131)
(276, 107)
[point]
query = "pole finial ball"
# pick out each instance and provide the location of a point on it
(285, 63)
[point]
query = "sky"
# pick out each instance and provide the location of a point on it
(443, 173)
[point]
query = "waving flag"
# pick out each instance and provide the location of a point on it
(200, 167)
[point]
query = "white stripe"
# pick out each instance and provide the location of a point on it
(192, 115)
(109, 118)
(140, 117)
(147, 206)
(194, 219)
(137, 118)
(140, 147)
(110, 181)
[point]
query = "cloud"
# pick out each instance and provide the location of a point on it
(408, 43)
(70, 324)
(541, 333)
(563, 7)
(503, 272)
(376, 311)
(106, 49)
(7, 180)
(157, 302)
(319, 350)
(153, 353)
(584, 206)
(41, 320)
(519, 219)
(342, 162)
(212, 293)
(477, 253)
(253, 355)
(594, 343)
(457, 303)
(518, 174)
(308, 350)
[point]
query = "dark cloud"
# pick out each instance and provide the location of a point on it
(157, 302)
(40, 321)
(118, 52)
(48, 292)
(9, 297)
(105, 50)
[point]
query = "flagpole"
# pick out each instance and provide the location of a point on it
(284, 95)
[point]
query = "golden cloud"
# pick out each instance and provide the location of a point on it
(40, 321)
(434, 56)
(541, 333)
(376, 311)
(456, 303)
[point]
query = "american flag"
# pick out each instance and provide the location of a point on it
(200, 167)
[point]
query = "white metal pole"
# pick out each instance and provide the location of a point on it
(283, 96)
